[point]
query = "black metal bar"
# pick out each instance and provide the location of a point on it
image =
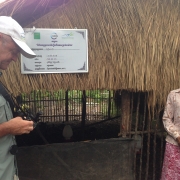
(136, 128)
(162, 152)
(109, 105)
(154, 151)
(83, 112)
(66, 105)
(148, 144)
(142, 135)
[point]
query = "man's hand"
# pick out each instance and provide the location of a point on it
(178, 140)
(17, 126)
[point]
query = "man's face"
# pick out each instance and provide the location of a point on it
(9, 51)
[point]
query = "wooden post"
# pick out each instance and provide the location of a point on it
(125, 113)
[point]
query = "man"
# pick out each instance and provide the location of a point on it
(12, 42)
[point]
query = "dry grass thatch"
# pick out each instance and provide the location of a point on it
(133, 45)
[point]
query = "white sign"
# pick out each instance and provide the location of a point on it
(57, 50)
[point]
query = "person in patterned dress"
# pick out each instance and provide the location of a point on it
(171, 121)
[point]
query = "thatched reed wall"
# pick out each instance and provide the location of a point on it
(133, 45)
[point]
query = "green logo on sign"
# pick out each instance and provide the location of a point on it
(36, 35)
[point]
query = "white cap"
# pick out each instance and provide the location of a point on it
(11, 27)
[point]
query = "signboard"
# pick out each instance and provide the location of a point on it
(57, 50)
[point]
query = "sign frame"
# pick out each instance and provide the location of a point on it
(57, 50)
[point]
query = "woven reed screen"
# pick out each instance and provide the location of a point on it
(132, 45)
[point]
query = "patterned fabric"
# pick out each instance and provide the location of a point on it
(171, 116)
(171, 164)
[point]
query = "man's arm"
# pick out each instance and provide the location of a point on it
(16, 126)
